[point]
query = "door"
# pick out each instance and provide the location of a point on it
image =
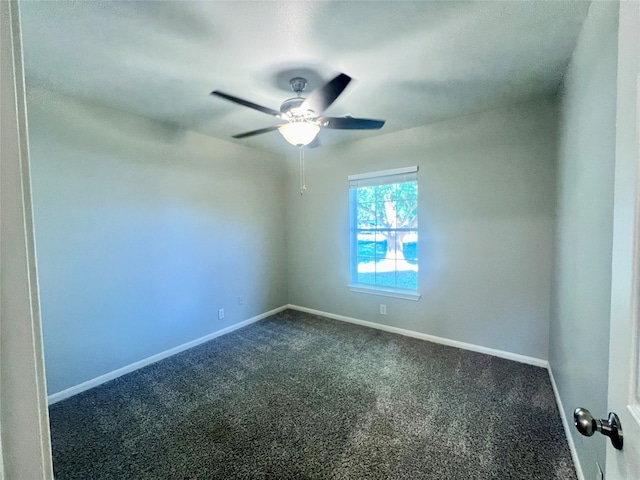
(624, 351)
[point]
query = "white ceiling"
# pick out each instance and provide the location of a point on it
(413, 62)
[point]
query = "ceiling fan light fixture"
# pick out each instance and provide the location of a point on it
(299, 133)
(303, 116)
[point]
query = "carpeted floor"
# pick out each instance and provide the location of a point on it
(297, 396)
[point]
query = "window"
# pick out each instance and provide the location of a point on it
(384, 232)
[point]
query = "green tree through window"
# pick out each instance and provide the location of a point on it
(384, 233)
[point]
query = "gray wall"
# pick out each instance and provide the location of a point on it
(486, 215)
(579, 330)
(142, 233)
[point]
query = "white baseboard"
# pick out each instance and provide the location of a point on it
(567, 428)
(538, 362)
(69, 392)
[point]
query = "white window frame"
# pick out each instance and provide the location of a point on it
(396, 175)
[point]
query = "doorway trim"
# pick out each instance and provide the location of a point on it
(25, 443)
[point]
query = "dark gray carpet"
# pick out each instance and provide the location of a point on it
(297, 396)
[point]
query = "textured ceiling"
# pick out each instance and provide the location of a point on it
(413, 62)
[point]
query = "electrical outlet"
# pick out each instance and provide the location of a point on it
(383, 309)
(221, 314)
(240, 300)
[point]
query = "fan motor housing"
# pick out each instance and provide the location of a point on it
(291, 106)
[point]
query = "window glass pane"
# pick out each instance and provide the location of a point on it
(386, 215)
(386, 234)
(366, 215)
(393, 252)
(367, 256)
(408, 191)
(408, 279)
(366, 251)
(381, 246)
(367, 278)
(366, 245)
(386, 278)
(406, 212)
(386, 192)
(366, 194)
(410, 247)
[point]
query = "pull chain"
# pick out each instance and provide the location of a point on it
(303, 186)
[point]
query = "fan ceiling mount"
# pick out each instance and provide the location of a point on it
(303, 116)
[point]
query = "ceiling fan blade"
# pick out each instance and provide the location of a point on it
(350, 123)
(320, 99)
(256, 132)
(246, 103)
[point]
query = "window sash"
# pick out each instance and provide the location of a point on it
(399, 175)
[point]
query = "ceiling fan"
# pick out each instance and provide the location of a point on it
(303, 117)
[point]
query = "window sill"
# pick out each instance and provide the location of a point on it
(385, 292)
